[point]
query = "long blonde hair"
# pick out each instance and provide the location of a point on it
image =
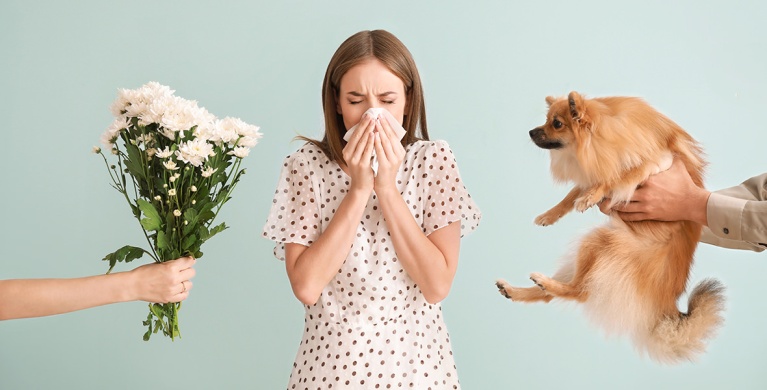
(364, 45)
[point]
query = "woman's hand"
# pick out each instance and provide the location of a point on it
(390, 154)
(163, 282)
(357, 154)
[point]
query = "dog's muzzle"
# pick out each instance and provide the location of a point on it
(539, 137)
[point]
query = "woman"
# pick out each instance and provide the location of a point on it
(371, 255)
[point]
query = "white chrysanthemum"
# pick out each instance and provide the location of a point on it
(136, 109)
(248, 141)
(207, 172)
(184, 114)
(177, 212)
(248, 130)
(165, 153)
(124, 98)
(194, 152)
(240, 152)
(154, 89)
(170, 165)
(226, 130)
(172, 192)
(204, 121)
(110, 135)
(156, 109)
(136, 103)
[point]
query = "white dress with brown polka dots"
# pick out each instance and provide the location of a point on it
(371, 327)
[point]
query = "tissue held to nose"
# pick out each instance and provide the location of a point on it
(379, 113)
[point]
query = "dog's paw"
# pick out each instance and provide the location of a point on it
(504, 288)
(584, 203)
(539, 280)
(587, 201)
(546, 219)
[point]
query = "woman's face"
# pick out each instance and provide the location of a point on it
(367, 85)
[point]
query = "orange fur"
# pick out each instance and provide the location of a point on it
(628, 275)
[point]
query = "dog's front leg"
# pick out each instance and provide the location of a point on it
(590, 197)
(558, 211)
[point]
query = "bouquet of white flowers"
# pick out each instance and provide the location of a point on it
(183, 164)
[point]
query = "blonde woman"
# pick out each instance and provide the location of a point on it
(372, 253)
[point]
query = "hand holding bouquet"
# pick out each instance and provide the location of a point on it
(176, 166)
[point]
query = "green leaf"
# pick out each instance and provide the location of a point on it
(152, 220)
(125, 254)
(188, 242)
(204, 210)
(215, 230)
(162, 240)
(157, 310)
(133, 162)
(190, 215)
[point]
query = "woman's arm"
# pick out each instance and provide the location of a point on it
(310, 268)
(430, 261)
(161, 282)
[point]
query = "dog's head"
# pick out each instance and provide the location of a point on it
(566, 122)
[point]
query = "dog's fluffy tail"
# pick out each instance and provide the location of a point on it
(683, 337)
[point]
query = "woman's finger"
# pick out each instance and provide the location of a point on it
(361, 155)
(351, 146)
(386, 140)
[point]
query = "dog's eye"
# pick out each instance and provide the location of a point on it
(557, 124)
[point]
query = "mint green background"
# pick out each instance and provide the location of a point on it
(486, 68)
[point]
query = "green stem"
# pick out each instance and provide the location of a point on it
(232, 175)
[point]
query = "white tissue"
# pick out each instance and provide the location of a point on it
(376, 114)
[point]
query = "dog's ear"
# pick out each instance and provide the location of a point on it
(550, 100)
(577, 107)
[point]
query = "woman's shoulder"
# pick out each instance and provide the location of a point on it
(431, 149)
(307, 153)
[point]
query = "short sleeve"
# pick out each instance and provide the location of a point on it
(446, 199)
(295, 215)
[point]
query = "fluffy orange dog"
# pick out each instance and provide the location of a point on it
(628, 275)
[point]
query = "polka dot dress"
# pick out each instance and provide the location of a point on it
(371, 327)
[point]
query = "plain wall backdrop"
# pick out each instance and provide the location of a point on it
(486, 66)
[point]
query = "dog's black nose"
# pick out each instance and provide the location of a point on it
(536, 133)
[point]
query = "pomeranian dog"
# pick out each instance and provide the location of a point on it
(627, 275)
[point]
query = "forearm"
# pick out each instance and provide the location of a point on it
(25, 298)
(738, 213)
(316, 265)
(419, 256)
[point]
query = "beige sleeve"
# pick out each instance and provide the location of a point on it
(737, 216)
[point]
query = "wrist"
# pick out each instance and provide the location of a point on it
(124, 285)
(700, 207)
(358, 194)
(384, 191)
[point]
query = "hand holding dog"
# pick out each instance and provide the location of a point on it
(670, 195)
